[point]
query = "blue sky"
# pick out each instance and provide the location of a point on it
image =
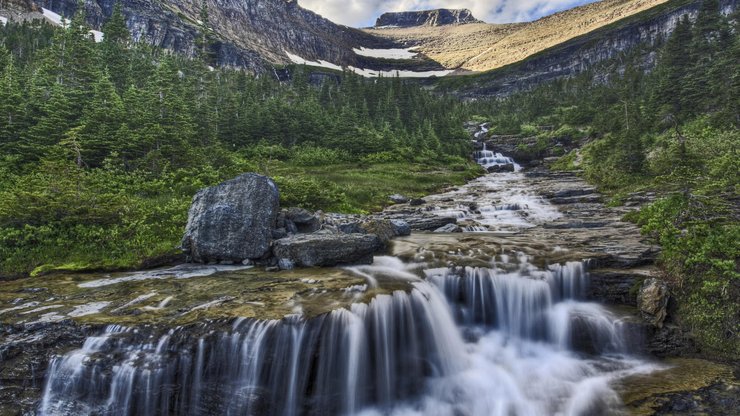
(360, 13)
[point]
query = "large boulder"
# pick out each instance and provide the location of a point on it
(652, 300)
(233, 221)
(318, 249)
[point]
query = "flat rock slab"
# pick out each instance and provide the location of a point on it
(311, 250)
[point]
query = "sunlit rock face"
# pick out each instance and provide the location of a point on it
(438, 17)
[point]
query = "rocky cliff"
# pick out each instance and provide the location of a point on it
(251, 34)
(587, 52)
(438, 17)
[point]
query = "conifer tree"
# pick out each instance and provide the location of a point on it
(115, 48)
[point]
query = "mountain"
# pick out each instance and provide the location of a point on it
(480, 47)
(260, 34)
(438, 17)
(253, 34)
(586, 52)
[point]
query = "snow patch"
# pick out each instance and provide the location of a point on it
(98, 35)
(386, 53)
(368, 73)
(55, 18)
(323, 64)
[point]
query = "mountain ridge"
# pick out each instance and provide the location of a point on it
(259, 34)
(434, 17)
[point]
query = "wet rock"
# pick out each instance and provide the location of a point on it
(286, 264)
(417, 202)
(429, 223)
(402, 227)
(449, 228)
(26, 352)
(232, 221)
(501, 168)
(309, 250)
(384, 229)
(616, 286)
(351, 228)
(668, 341)
(398, 199)
(652, 301)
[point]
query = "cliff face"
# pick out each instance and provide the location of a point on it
(438, 17)
(586, 52)
(250, 33)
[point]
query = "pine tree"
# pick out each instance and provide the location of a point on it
(204, 42)
(12, 116)
(100, 123)
(115, 48)
(675, 65)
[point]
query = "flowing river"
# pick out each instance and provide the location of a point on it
(496, 320)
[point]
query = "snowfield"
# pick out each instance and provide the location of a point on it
(368, 73)
(386, 53)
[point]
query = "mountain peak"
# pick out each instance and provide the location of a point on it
(436, 17)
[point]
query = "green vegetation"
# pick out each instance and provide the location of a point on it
(104, 144)
(673, 130)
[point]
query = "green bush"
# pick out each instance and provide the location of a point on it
(309, 193)
(318, 156)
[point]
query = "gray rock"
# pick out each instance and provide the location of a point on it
(384, 229)
(232, 221)
(429, 222)
(501, 168)
(351, 228)
(417, 202)
(398, 199)
(304, 220)
(291, 227)
(449, 228)
(279, 233)
(309, 250)
(286, 264)
(402, 227)
(652, 300)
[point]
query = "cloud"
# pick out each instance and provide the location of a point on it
(360, 13)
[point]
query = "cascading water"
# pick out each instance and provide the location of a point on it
(507, 339)
(460, 341)
(487, 159)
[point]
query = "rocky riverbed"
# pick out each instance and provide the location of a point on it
(523, 222)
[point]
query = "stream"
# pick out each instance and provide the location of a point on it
(508, 317)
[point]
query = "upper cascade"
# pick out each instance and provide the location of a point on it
(437, 17)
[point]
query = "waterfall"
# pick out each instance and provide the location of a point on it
(487, 159)
(479, 341)
(374, 354)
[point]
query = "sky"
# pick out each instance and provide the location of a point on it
(362, 13)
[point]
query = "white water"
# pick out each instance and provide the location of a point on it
(511, 339)
(508, 340)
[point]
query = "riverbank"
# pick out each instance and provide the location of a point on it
(538, 218)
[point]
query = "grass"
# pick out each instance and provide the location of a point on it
(149, 235)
